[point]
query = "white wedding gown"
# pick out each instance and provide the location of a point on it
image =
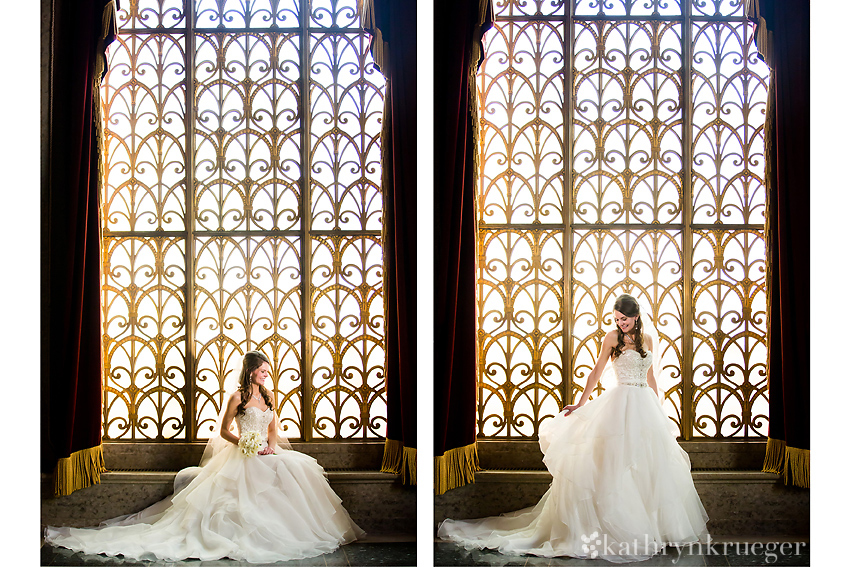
(256, 509)
(621, 484)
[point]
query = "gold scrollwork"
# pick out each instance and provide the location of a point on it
(647, 175)
(242, 210)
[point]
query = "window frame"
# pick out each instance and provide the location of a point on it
(193, 422)
(566, 381)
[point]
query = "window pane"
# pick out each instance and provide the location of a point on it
(346, 105)
(718, 7)
(646, 264)
(234, 14)
(586, 8)
(521, 85)
(520, 323)
(627, 152)
(149, 14)
(248, 298)
(144, 340)
(348, 337)
(730, 97)
(531, 7)
(247, 132)
(144, 100)
(730, 330)
(334, 14)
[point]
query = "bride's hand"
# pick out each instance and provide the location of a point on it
(266, 451)
(570, 409)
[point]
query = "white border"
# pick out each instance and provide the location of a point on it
(20, 284)
(425, 283)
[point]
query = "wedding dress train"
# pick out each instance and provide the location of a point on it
(256, 509)
(621, 484)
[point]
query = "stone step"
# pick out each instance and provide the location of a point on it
(730, 454)
(129, 456)
(377, 502)
(739, 503)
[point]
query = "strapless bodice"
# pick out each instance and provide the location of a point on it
(631, 369)
(254, 419)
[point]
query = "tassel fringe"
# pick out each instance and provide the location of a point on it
(392, 457)
(774, 456)
(408, 466)
(797, 462)
(80, 470)
(399, 459)
(790, 462)
(455, 468)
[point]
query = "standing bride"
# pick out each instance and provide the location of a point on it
(252, 499)
(621, 484)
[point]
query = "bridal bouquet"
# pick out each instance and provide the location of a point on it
(250, 443)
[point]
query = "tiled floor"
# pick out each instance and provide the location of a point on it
(403, 553)
(357, 554)
(735, 554)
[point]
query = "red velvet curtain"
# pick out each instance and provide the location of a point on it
(457, 47)
(71, 347)
(393, 26)
(783, 42)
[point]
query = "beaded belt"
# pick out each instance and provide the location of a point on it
(636, 384)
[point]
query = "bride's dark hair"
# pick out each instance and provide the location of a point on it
(628, 306)
(253, 360)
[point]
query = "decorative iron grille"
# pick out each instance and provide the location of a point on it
(621, 150)
(242, 211)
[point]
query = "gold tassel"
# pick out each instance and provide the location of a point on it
(399, 459)
(408, 466)
(797, 463)
(79, 470)
(774, 457)
(781, 459)
(455, 468)
(393, 456)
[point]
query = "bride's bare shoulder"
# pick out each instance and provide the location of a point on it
(609, 342)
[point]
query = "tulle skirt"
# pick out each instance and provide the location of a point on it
(258, 509)
(621, 488)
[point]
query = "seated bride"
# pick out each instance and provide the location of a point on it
(252, 499)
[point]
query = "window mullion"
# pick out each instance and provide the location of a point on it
(306, 225)
(688, 405)
(567, 357)
(189, 313)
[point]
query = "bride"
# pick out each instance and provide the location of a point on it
(252, 499)
(621, 485)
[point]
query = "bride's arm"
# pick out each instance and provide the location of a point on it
(650, 380)
(608, 345)
(650, 375)
(229, 414)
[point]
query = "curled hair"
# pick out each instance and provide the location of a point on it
(253, 360)
(628, 306)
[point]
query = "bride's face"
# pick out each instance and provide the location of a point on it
(259, 375)
(626, 324)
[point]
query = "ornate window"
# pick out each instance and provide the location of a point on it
(621, 150)
(242, 211)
